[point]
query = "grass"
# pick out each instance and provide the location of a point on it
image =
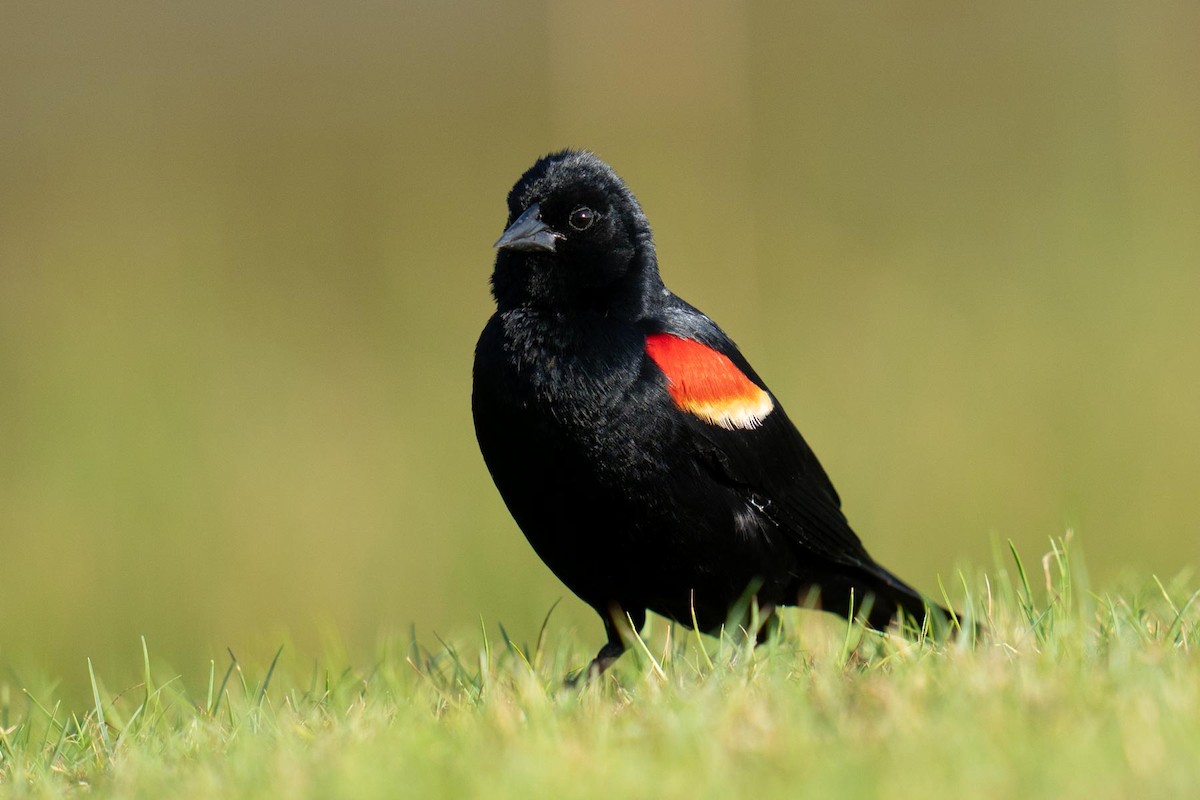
(1069, 693)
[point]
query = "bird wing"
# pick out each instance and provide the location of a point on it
(744, 438)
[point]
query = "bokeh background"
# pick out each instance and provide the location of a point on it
(244, 252)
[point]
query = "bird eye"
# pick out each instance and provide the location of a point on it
(581, 218)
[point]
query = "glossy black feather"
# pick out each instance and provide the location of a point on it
(634, 503)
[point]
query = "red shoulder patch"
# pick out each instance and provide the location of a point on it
(707, 384)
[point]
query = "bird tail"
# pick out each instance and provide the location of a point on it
(878, 598)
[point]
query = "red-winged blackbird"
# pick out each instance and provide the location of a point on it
(644, 459)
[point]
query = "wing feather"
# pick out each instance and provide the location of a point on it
(769, 460)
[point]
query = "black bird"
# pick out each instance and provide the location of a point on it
(644, 459)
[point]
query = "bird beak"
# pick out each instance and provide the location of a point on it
(528, 232)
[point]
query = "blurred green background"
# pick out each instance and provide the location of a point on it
(244, 252)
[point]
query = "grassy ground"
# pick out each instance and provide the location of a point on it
(1069, 693)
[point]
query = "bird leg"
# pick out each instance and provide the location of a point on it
(616, 622)
(605, 659)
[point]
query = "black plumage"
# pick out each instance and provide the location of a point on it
(644, 459)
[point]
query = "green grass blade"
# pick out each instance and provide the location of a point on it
(641, 643)
(696, 631)
(224, 682)
(262, 693)
(99, 707)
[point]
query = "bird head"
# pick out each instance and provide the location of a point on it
(576, 237)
